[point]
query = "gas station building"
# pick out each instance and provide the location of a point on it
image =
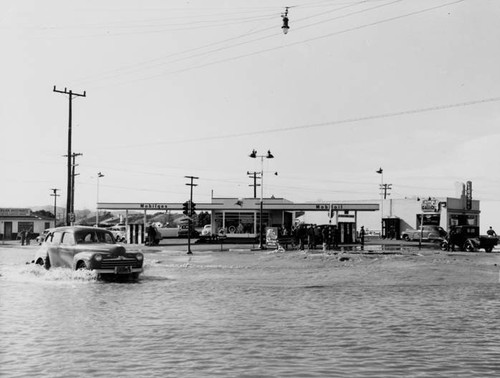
(239, 218)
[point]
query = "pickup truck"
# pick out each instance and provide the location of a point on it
(431, 233)
(467, 238)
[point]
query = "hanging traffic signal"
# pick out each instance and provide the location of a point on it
(285, 26)
(185, 208)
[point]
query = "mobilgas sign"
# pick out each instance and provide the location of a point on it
(159, 206)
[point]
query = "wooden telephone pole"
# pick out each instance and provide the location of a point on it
(69, 190)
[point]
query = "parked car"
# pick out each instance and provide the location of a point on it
(81, 247)
(432, 233)
(207, 230)
(41, 238)
(183, 231)
(467, 238)
(166, 232)
(119, 232)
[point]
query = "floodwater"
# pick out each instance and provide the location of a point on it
(252, 314)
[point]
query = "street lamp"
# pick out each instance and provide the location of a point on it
(254, 155)
(99, 175)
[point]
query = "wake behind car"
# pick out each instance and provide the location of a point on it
(89, 248)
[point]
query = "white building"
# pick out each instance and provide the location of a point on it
(15, 220)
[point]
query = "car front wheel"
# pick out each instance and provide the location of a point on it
(81, 265)
(406, 237)
(469, 247)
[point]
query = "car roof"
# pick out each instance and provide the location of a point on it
(78, 228)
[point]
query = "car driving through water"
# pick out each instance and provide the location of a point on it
(80, 247)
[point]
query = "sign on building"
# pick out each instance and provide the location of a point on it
(430, 206)
(468, 196)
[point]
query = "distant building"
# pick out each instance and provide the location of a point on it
(15, 220)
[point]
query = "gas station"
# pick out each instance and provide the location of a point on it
(240, 218)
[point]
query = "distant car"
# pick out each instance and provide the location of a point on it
(432, 233)
(207, 230)
(183, 231)
(41, 238)
(467, 238)
(119, 232)
(89, 248)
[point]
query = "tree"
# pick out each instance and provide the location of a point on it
(203, 219)
(43, 214)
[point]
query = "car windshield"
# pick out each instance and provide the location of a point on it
(94, 236)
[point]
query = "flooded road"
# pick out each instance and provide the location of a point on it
(254, 314)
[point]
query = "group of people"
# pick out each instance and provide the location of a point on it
(26, 236)
(151, 235)
(328, 236)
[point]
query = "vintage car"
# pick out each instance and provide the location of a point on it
(207, 230)
(119, 232)
(431, 233)
(89, 248)
(184, 230)
(467, 238)
(41, 238)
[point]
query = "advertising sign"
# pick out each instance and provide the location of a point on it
(430, 206)
(272, 236)
(468, 196)
(14, 212)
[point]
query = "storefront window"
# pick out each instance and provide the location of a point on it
(239, 222)
(25, 226)
(429, 219)
(463, 220)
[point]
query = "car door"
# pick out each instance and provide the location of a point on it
(53, 248)
(67, 249)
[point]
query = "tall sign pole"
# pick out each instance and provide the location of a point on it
(70, 94)
(190, 210)
(380, 171)
(55, 195)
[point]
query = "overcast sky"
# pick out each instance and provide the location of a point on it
(189, 88)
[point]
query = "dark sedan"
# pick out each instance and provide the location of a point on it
(88, 248)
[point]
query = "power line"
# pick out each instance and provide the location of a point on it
(359, 27)
(324, 124)
(130, 69)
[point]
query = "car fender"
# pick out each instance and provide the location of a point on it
(42, 253)
(82, 256)
(434, 236)
(474, 241)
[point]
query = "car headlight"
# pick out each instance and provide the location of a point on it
(98, 257)
(139, 256)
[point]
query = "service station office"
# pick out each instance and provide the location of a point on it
(239, 218)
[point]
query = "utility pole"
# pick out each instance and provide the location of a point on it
(385, 189)
(191, 184)
(255, 185)
(55, 195)
(70, 94)
(73, 175)
(71, 208)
